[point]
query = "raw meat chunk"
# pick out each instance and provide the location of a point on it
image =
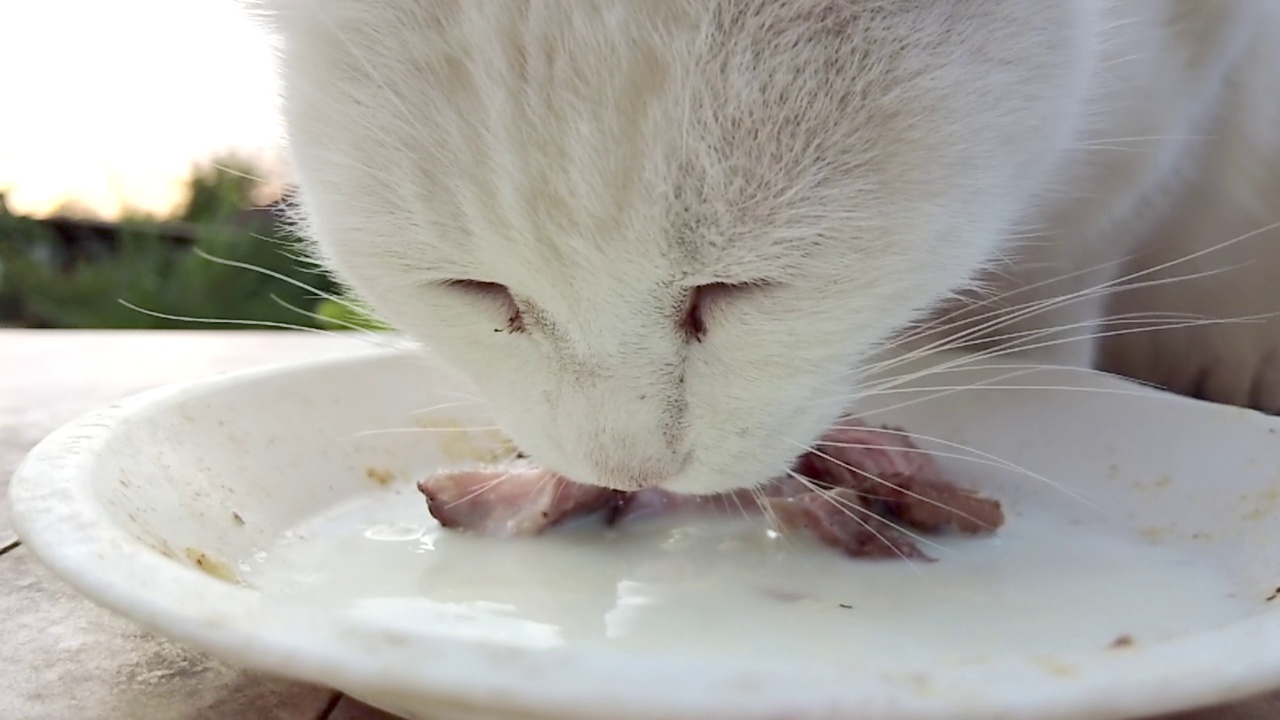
(861, 490)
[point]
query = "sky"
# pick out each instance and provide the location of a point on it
(110, 102)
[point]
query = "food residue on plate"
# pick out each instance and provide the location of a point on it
(1056, 667)
(1263, 504)
(1122, 641)
(459, 444)
(1157, 533)
(380, 476)
(162, 547)
(212, 566)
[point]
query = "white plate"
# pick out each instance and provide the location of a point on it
(252, 516)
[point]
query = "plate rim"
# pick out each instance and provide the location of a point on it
(53, 513)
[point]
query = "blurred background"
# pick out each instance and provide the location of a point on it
(139, 138)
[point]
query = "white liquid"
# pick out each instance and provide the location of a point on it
(724, 588)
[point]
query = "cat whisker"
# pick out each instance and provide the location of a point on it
(1172, 321)
(771, 517)
(996, 462)
(1006, 317)
(848, 509)
(420, 430)
(444, 406)
(945, 391)
(245, 323)
(281, 277)
(1015, 348)
(886, 483)
(480, 489)
(1038, 366)
(741, 508)
(1124, 282)
(988, 299)
(223, 167)
(830, 490)
(317, 316)
(987, 386)
(1146, 138)
(466, 400)
(981, 458)
(1101, 288)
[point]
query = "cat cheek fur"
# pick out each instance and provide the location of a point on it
(601, 158)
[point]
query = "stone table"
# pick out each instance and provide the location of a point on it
(63, 658)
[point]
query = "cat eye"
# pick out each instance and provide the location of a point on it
(692, 320)
(497, 293)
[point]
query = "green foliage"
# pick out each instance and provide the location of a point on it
(24, 244)
(336, 315)
(164, 275)
(218, 191)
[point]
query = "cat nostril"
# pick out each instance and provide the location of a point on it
(693, 320)
(497, 292)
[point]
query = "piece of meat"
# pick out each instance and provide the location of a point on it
(510, 503)
(876, 450)
(899, 479)
(856, 534)
(861, 488)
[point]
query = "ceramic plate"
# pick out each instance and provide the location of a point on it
(270, 518)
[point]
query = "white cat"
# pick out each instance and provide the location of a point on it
(662, 236)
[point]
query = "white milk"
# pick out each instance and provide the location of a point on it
(717, 587)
